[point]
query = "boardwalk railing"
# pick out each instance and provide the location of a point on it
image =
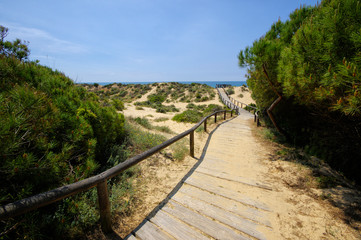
(234, 104)
(99, 181)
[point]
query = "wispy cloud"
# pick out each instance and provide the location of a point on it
(43, 40)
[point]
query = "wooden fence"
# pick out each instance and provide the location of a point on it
(234, 105)
(99, 181)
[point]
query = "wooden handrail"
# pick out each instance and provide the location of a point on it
(100, 181)
(229, 103)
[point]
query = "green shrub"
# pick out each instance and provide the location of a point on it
(119, 105)
(230, 90)
(211, 108)
(52, 133)
(190, 116)
(156, 98)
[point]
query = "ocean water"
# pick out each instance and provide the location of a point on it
(209, 83)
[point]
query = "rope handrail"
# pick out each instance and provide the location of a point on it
(100, 181)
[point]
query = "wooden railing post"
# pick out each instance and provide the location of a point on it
(232, 113)
(104, 207)
(224, 117)
(215, 118)
(191, 144)
(205, 125)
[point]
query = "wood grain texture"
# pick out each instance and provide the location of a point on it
(204, 184)
(150, 232)
(215, 173)
(227, 204)
(206, 225)
(221, 215)
(176, 228)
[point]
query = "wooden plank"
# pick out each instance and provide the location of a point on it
(227, 204)
(212, 160)
(206, 225)
(130, 237)
(148, 231)
(226, 193)
(215, 173)
(176, 228)
(220, 215)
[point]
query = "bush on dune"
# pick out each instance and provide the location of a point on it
(52, 133)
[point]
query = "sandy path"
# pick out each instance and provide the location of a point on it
(294, 213)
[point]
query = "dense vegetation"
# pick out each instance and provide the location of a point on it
(127, 93)
(53, 133)
(305, 77)
(166, 92)
(195, 113)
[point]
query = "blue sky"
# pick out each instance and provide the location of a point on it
(143, 40)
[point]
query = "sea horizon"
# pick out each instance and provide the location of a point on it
(209, 83)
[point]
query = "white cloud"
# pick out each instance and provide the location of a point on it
(43, 41)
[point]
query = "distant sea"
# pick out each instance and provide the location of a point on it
(209, 83)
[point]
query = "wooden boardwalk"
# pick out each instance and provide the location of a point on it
(218, 199)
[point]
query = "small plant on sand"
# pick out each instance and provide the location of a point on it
(200, 129)
(164, 129)
(191, 116)
(161, 119)
(180, 150)
(141, 140)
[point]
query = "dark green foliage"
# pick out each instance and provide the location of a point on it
(119, 105)
(156, 98)
(249, 107)
(17, 48)
(313, 60)
(52, 133)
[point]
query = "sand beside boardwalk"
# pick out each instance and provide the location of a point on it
(299, 211)
(151, 114)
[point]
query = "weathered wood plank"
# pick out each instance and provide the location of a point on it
(203, 184)
(130, 237)
(206, 225)
(215, 173)
(149, 231)
(176, 228)
(227, 204)
(220, 215)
